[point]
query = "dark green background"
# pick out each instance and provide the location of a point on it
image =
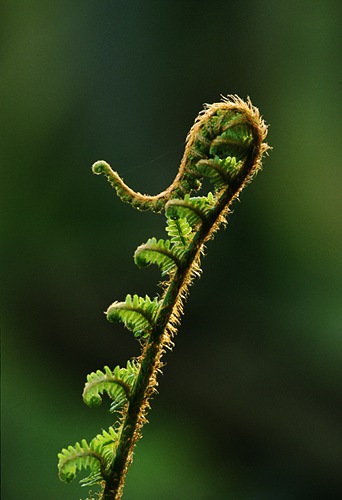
(250, 400)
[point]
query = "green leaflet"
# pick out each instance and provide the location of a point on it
(219, 171)
(97, 455)
(167, 254)
(181, 233)
(157, 252)
(117, 384)
(136, 313)
(194, 210)
(234, 138)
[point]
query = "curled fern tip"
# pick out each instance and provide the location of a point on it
(100, 167)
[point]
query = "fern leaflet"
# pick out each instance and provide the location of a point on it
(167, 254)
(96, 455)
(117, 384)
(157, 252)
(219, 171)
(136, 313)
(181, 233)
(194, 210)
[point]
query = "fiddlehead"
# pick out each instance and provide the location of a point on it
(225, 144)
(224, 135)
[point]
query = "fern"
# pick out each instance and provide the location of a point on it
(225, 145)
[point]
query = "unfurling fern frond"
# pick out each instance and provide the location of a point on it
(97, 456)
(158, 252)
(194, 210)
(219, 171)
(117, 384)
(225, 145)
(136, 313)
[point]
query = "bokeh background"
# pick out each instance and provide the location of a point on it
(250, 400)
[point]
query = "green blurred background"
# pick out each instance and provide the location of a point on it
(250, 401)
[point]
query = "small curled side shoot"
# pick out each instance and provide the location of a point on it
(230, 129)
(125, 193)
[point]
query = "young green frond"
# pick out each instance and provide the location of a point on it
(136, 313)
(158, 252)
(225, 145)
(117, 384)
